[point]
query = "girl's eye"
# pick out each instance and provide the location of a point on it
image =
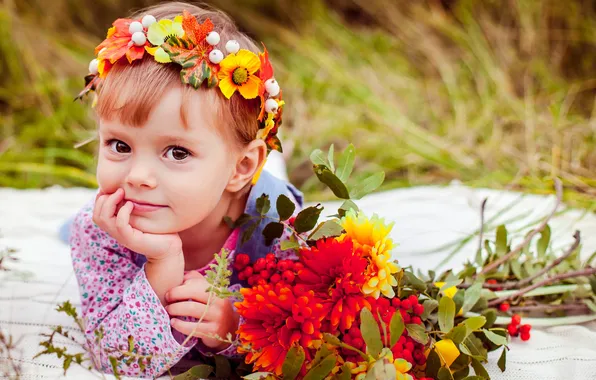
(118, 146)
(177, 153)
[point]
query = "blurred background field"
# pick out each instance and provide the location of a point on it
(494, 93)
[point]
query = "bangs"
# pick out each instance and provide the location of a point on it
(131, 91)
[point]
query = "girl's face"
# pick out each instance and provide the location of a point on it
(175, 174)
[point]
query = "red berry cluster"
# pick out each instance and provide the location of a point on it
(268, 269)
(406, 347)
(515, 328)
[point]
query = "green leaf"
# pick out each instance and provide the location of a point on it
(460, 374)
(327, 177)
(263, 204)
(446, 314)
(289, 244)
(382, 369)
(346, 206)
(367, 186)
(473, 347)
(543, 242)
(222, 367)
(429, 306)
(272, 231)
(418, 333)
(479, 369)
(491, 317)
(433, 363)
(501, 241)
(346, 163)
(471, 296)
(458, 299)
(285, 207)
(495, 338)
(201, 371)
(293, 363)
(345, 374)
(229, 221)
(475, 323)
(330, 158)
(307, 219)
(247, 234)
(459, 333)
(67, 363)
(256, 376)
(593, 283)
(474, 378)
(516, 268)
(331, 339)
(396, 327)
(502, 363)
(317, 157)
(414, 282)
(591, 304)
(444, 374)
(321, 370)
(370, 333)
(329, 228)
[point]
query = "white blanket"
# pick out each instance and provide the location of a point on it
(426, 219)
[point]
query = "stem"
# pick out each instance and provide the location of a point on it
(482, 208)
(579, 273)
(288, 225)
(495, 264)
(565, 307)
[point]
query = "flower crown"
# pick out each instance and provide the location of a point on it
(193, 46)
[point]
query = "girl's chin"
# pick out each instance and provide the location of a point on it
(151, 226)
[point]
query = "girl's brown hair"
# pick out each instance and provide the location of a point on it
(130, 91)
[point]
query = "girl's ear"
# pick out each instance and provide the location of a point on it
(250, 160)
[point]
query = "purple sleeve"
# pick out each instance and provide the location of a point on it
(118, 299)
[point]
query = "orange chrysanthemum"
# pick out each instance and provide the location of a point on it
(336, 275)
(276, 318)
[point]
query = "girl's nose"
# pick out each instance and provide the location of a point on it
(141, 175)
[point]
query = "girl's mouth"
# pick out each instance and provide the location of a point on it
(145, 207)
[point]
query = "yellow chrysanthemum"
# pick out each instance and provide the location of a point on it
(159, 32)
(381, 279)
(237, 72)
(367, 233)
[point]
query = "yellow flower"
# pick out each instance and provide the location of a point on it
(366, 233)
(449, 292)
(381, 280)
(447, 351)
(402, 367)
(237, 72)
(159, 32)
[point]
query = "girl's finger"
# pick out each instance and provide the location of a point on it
(193, 274)
(190, 309)
(98, 207)
(191, 290)
(199, 330)
(123, 219)
(109, 207)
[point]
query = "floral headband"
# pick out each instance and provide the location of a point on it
(194, 47)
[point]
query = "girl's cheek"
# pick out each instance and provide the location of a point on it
(110, 176)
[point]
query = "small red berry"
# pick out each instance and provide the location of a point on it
(396, 302)
(288, 276)
(358, 343)
(242, 276)
(282, 265)
(270, 257)
(291, 221)
(406, 304)
(261, 281)
(409, 346)
(418, 309)
(525, 328)
(241, 261)
(525, 336)
(416, 320)
(516, 319)
(512, 329)
(275, 278)
(260, 264)
(298, 266)
(492, 281)
(504, 307)
(252, 281)
(413, 299)
(264, 274)
(271, 266)
(248, 271)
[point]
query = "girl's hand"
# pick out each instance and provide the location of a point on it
(190, 300)
(115, 222)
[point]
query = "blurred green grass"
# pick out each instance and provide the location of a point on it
(491, 93)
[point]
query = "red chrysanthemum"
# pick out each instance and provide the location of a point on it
(336, 275)
(276, 318)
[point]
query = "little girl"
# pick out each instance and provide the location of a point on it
(184, 131)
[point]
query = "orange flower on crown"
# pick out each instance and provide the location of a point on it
(336, 275)
(276, 318)
(237, 72)
(120, 42)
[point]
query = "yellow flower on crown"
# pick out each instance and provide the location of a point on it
(159, 32)
(237, 72)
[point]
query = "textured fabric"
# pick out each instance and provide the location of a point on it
(429, 223)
